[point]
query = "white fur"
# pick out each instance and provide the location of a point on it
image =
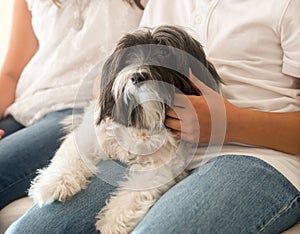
(154, 157)
(149, 177)
(68, 171)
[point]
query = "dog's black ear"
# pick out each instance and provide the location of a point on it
(193, 58)
(203, 69)
(205, 72)
(106, 100)
(212, 70)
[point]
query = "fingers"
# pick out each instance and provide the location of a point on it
(172, 114)
(176, 126)
(191, 111)
(213, 99)
(1, 133)
(182, 117)
(181, 123)
(181, 101)
(172, 120)
(185, 102)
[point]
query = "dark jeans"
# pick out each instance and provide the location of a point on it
(23, 150)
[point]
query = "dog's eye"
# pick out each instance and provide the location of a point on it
(164, 52)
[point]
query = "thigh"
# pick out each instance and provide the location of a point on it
(230, 194)
(78, 215)
(10, 125)
(28, 149)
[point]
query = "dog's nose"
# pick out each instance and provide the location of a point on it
(136, 78)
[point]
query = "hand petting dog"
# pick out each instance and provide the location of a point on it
(208, 105)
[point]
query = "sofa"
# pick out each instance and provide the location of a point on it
(15, 209)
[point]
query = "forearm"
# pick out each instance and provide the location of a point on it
(278, 131)
(22, 46)
(7, 92)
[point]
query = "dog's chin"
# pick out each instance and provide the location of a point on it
(135, 141)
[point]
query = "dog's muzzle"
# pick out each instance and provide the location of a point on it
(140, 101)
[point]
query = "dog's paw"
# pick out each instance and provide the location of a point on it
(124, 210)
(112, 220)
(47, 187)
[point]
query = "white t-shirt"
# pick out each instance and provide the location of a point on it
(60, 75)
(255, 47)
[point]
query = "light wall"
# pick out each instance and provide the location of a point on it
(6, 7)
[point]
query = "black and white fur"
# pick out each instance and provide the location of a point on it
(138, 83)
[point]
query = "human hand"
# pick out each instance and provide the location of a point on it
(1, 133)
(199, 118)
(220, 121)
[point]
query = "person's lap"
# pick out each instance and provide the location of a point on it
(10, 125)
(75, 216)
(23, 150)
(235, 194)
(230, 194)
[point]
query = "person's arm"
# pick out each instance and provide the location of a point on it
(22, 46)
(278, 131)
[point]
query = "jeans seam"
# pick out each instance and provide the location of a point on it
(278, 214)
(18, 181)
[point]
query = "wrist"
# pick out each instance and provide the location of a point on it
(234, 123)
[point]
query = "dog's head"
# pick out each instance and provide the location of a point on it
(147, 67)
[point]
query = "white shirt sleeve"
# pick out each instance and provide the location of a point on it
(290, 39)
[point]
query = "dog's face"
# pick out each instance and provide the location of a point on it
(144, 72)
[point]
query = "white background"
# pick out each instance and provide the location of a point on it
(6, 7)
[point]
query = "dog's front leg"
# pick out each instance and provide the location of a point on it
(125, 209)
(66, 175)
(133, 199)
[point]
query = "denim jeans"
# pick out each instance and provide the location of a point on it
(229, 194)
(25, 149)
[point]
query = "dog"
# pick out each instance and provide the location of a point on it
(126, 124)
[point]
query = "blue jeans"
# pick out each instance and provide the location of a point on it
(229, 194)
(25, 149)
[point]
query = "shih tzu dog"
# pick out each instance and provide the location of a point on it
(126, 124)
